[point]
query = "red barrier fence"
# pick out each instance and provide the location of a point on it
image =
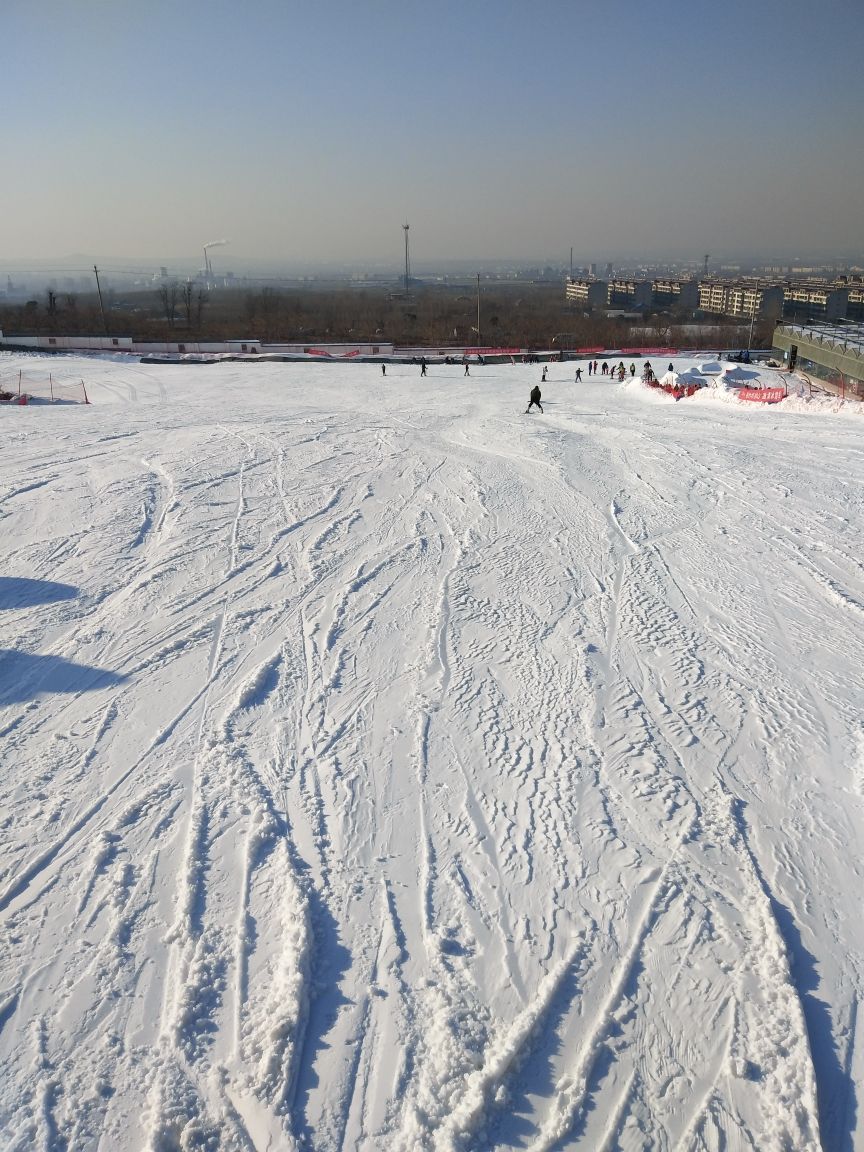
(648, 351)
(763, 395)
(608, 353)
(489, 352)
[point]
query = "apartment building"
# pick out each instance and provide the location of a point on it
(741, 298)
(807, 300)
(587, 292)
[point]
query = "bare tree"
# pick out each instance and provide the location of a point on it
(168, 296)
(201, 300)
(186, 294)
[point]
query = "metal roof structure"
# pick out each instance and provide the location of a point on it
(836, 348)
(839, 335)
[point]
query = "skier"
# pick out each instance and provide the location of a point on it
(467, 373)
(590, 367)
(671, 369)
(605, 368)
(578, 375)
(595, 367)
(632, 369)
(534, 398)
(543, 377)
(383, 369)
(423, 366)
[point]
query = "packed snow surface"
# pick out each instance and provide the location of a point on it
(384, 768)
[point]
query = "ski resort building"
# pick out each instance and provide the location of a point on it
(833, 353)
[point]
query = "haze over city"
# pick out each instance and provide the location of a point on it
(312, 131)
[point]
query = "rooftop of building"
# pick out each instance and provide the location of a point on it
(839, 334)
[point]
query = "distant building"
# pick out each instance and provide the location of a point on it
(741, 298)
(632, 294)
(855, 304)
(804, 300)
(590, 293)
(673, 293)
(854, 286)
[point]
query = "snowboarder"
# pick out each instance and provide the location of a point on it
(534, 398)
(578, 375)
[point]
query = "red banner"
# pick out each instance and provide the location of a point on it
(763, 395)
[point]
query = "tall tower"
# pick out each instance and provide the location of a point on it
(705, 270)
(407, 260)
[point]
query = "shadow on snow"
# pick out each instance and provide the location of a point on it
(22, 592)
(25, 677)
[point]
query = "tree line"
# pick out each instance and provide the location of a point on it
(530, 316)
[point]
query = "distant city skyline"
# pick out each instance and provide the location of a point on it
(308, 133)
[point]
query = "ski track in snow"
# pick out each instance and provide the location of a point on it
(414, 776)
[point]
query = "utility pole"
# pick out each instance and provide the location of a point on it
(405, 227)
(478, 309)
(753, 316)
(101, 305)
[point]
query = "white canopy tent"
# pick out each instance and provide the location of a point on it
(739, 376)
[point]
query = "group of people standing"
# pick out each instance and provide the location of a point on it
(604, 369)
(594, 369)
(607, 369)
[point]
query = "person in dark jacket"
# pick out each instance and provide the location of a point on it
(534, 398)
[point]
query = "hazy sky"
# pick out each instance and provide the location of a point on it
(312, 129)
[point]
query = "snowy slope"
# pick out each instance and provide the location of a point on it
(383, 768)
